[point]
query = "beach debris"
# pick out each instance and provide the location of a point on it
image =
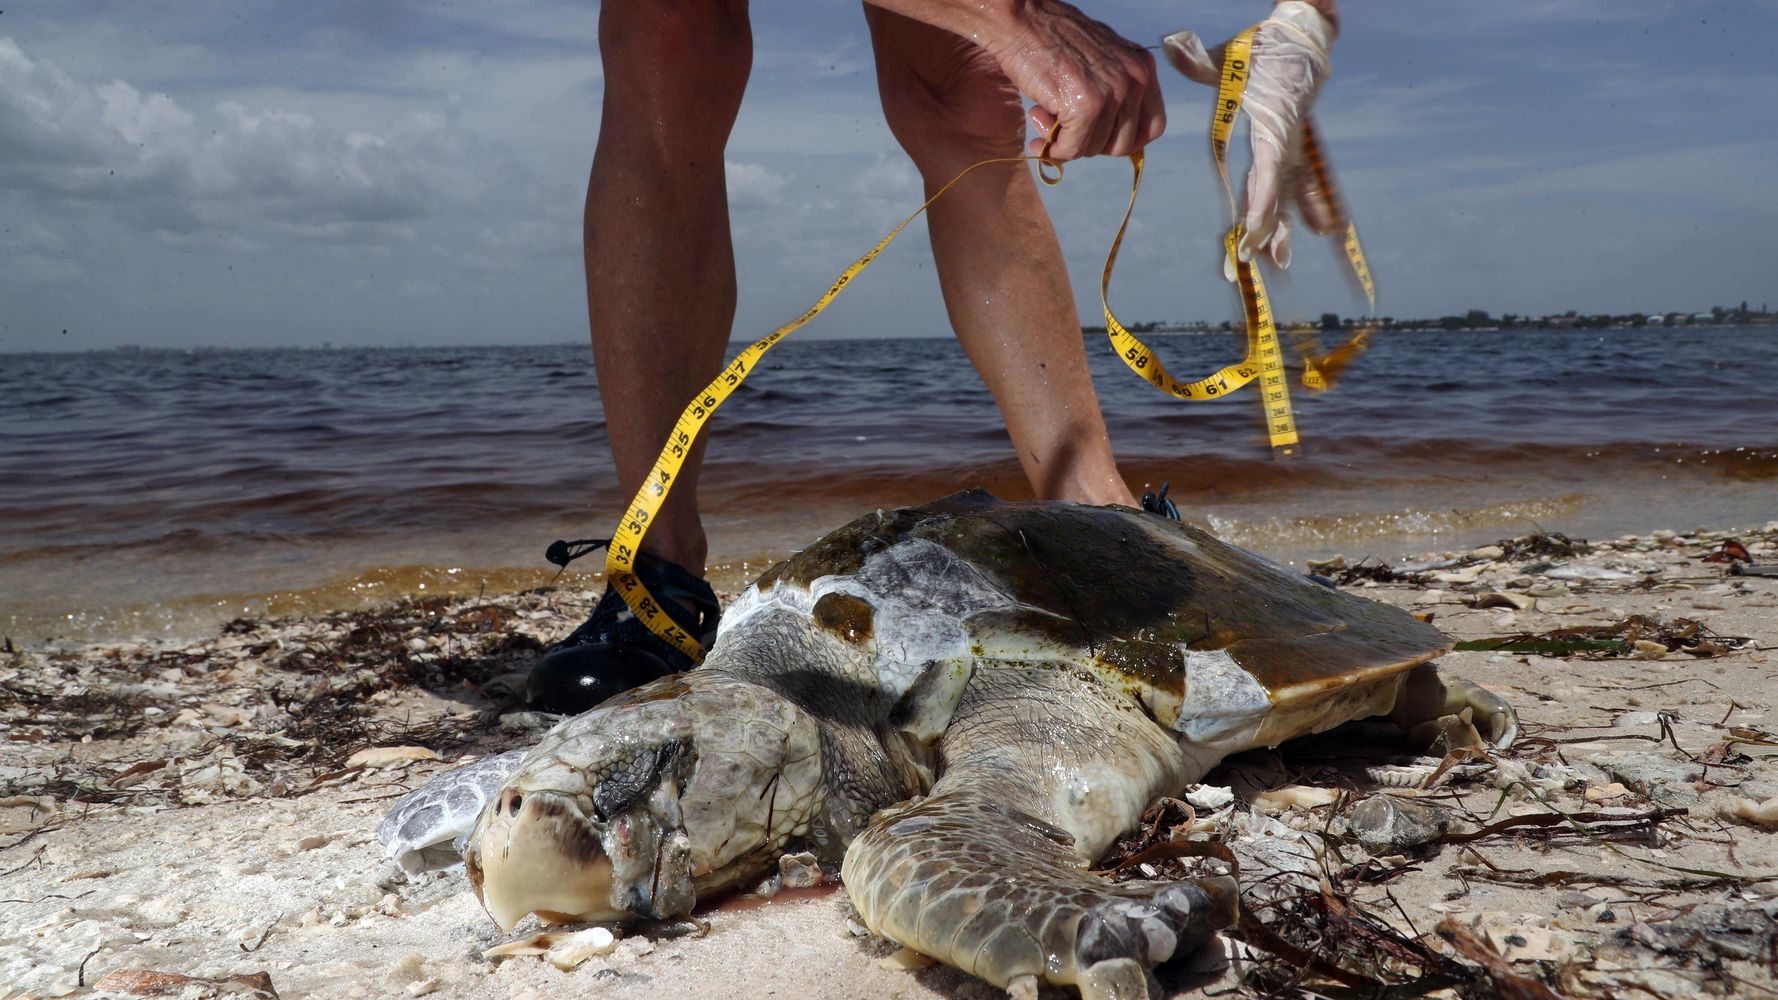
(565, 950)
(1588, 571)
(1365, 571)
(1497, 599)
(1279, 800)
(570, 950)
(218, 775)
(1654, 776)
(24, 813)
(1542, 545)
(1209, 797)
(390, 756)
(1603, 793)
(1712, 932)
(1387, 824)
(1729, 551)
(153, 983)
(310, 843)
(1759, 813)
(1503, 981)
(1621, 638)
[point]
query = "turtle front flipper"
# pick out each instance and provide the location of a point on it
(1041, 769)
(1000, 895)
(426, 829)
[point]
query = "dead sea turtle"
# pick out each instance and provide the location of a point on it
(965, 701)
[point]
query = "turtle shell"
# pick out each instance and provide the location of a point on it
(1204, 635)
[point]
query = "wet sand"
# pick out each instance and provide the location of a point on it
(188, 807)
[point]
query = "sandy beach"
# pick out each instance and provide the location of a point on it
(207, 809)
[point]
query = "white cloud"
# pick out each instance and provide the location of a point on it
(399, 170)
(1447, 22)
(167, 168)
(751, 185)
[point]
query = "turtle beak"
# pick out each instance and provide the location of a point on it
(538, 854)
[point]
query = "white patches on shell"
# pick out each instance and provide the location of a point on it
(753, 600)
(1223, 704)
(921, 595)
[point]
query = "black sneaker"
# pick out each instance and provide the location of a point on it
(613, 651)
(1157, 503)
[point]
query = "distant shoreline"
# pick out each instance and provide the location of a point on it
(1762, 322)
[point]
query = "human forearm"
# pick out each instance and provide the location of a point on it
(1095, 91)
(1327, 9)
(980, 21)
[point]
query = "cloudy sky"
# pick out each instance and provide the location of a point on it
(249, 173)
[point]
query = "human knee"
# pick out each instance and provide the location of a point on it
(693, 50)
(952, 106)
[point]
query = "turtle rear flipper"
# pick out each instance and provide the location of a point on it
(1041, 769)
(1429, 701)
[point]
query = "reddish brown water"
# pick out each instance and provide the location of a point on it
(155, 491)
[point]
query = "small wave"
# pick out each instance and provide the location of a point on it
(1389, 530)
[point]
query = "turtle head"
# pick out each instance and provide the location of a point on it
(681, 788)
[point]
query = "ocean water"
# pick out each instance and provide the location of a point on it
(157, 491)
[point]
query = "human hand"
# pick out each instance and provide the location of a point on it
(1290, 63)
(1096, 93)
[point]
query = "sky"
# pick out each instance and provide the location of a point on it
(246, 173)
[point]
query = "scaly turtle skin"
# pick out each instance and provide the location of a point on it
(965, 702)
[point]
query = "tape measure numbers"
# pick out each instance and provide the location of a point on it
(1264, 359)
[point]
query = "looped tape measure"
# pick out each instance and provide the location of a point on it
(1263, 359)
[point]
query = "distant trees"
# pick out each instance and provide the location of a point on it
(1474, 319)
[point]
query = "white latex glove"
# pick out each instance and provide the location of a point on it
(1290, 63)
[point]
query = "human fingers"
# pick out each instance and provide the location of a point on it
(1143, 115)
(1280, 248)
(1153, 112)
(1095, 120)
(1185, 50)
(1077, 69)
(1263, 183)
(1071, 131)
(1046, 126)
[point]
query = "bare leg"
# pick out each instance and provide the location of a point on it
(659, 261)
(1005, 285)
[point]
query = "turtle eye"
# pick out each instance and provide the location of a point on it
(513, 804)
(631, 778)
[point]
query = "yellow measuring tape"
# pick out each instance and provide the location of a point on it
(1320, 371)
(1264, 360)
(1263, 357)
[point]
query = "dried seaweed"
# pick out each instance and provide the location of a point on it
(1542, 545)
(1615, 639)
(1504, 983)
(273, 704)
(1381, 573)
(1324, 939)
